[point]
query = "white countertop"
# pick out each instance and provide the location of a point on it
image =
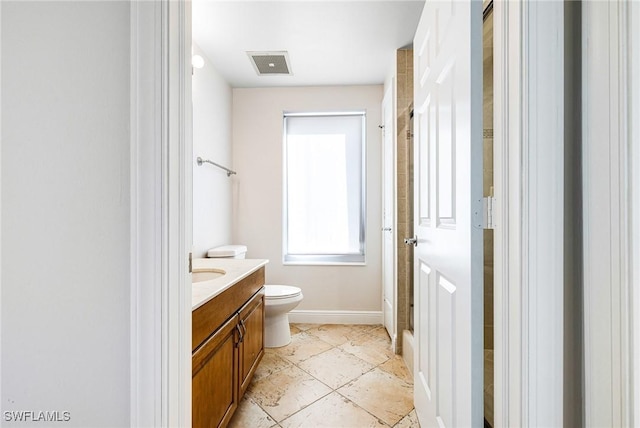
(235, 270)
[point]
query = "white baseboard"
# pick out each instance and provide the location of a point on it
(335, 317)
(394, 343)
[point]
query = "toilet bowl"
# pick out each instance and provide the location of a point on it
(279, 301)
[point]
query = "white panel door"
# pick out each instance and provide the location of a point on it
(448, 193)
(388, 217)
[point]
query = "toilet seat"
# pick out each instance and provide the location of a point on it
(281, 291)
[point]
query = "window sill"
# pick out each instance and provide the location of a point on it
(325, 260)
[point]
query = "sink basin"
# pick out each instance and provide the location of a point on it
(201, 275)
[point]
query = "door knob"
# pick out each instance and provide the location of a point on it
(411, 241)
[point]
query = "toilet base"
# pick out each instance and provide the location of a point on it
(276, 331)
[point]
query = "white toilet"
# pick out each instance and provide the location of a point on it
(279, 301)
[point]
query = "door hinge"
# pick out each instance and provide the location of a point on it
(190, 262)
(488, 205)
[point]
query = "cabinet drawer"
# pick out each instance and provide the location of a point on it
(210, 316)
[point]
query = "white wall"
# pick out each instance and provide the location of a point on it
(257, 152)
(212, 98)
(65, 211)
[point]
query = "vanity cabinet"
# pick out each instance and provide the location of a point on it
(227, 346)
(214, 385)
(252, 343)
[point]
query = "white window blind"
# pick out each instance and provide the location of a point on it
(324, 188)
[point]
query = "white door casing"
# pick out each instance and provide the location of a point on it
(611, 42)
(389, 277)
(161, 233)
(529, 216)
(634, 138)
(447, 199)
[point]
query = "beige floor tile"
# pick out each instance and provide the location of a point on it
(271, 363)
(304, 327)
(294, 329)
(302, 346)
(334, 334)
(381, 394)
(364, 327)
(380, 332)
(249, 414)
(332, 411)
(335, 367)
(409, 421)
(287, 391)
(488, 404)
(396, 366)
(369, 348)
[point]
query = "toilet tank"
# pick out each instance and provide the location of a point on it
(228, 251)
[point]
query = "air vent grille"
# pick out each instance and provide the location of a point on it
(270, 63)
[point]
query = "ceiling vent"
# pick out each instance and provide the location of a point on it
(271, 63)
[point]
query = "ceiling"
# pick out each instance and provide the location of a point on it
(329, 42)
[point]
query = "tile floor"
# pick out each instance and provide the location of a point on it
(330, 376)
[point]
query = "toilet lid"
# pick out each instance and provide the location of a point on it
(280, 291)
(227, 251)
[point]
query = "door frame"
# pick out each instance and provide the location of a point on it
(528, 345)
(161, 380)
(528, 163)
(161, 220)
(634, 205)
(611, 226)
(389, 101)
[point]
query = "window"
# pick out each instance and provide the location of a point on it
(324, 205)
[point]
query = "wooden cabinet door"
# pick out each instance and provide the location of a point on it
(215, 378)
(252, 344)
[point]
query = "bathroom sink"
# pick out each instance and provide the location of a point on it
(201, 275)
